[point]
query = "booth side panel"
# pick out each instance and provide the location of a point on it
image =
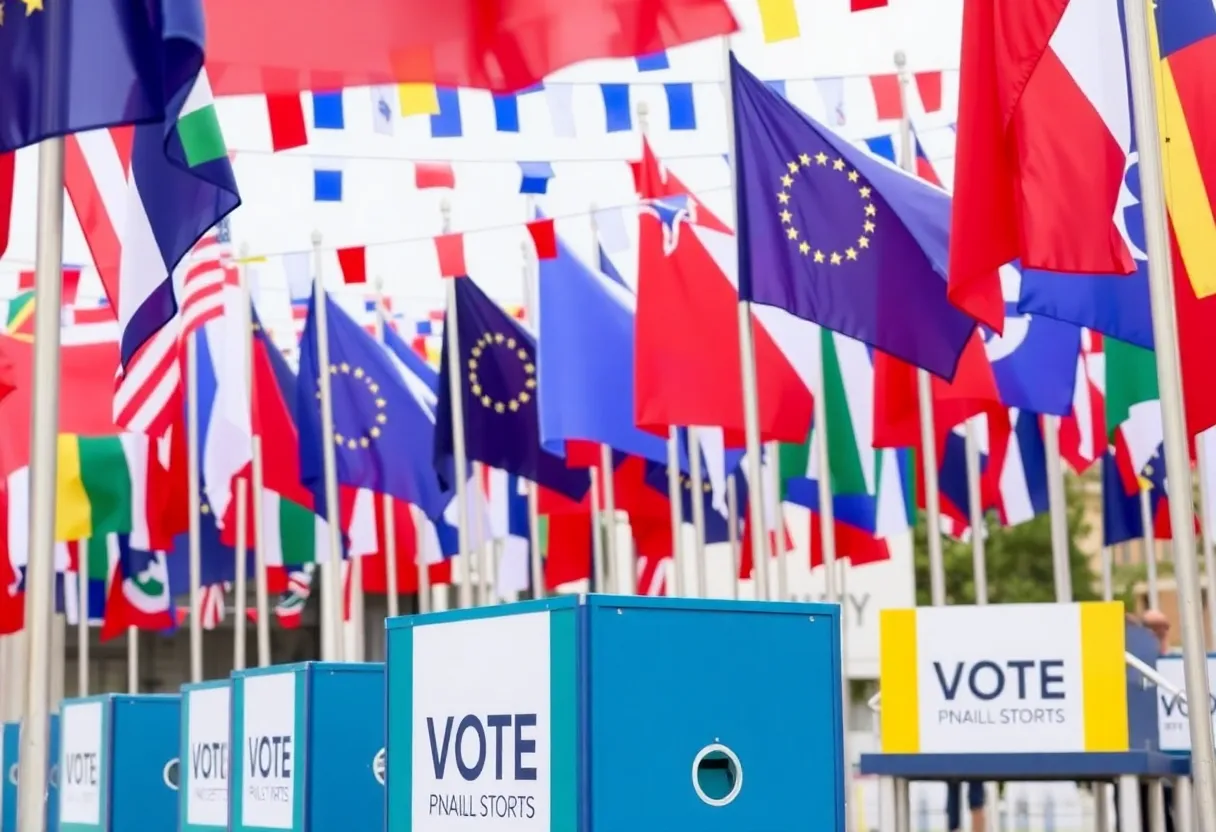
(399, 701)
(346, 732)
(144, 741)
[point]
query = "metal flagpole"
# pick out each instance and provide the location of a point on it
(924, 390)
(451, 337)
(535, 562)
(780, 556)
(425, 596)
(1149, 542)
(481, 592)
(261, 589)
(194, 499)
(597, 543)
(82, 619)
(1058, 508)
(391, 591)
(732, 529)
(979, 562)
(675, 504)
(331, 570)
(1169, 377)
(240, 587)
(696, 493)
(133, 655)
(1205, 520)
(747, 361)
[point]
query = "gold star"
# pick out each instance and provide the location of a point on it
(374, 432)
(868, 227)
(472, 363)
(381, 418)
(364, 442)
(787, 181)
(345, 367)
(530, 384)
(791, 233)
(838, 164)
(32, 6)
(524, 398)
(530, 369)
(804, 248)
(375, 388)
(476, 351)
(204, 509)
(514, 405)
(793, 166)
(333, 369)
(498, 338)
(499, 407)
(339, 438)
(850, 253)
(486, 401)
(864, 190)
(352, 444)
(786, 216)
(869, 209)
(783, 198)
(818, 256)
(380, 402)
(821, 158)
(510, 343)
(522, 355)
(835, 259)
(863, 242)
(358, 372)
(476, 389)
(804, 159)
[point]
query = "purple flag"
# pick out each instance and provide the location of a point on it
(835, 236)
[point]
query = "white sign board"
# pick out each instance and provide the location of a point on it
(80, 763)
(206, 766)
(1174, 732)
(481, 725)
(268, 734)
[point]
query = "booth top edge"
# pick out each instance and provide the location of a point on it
(302, 667)
(615, 602)
(119, 697)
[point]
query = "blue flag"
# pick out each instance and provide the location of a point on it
(382, 436)
(586, 360)
(68, 66)
(498, 396)
(835, 236)
(717, 524)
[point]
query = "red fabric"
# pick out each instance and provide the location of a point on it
(929, 85)
(544, 238)
(375, 566)
(121, 614)
(450, 248)
(70, 285)
(569, 553)
(353, 262)
(687, 364)
(1196, 342)
(858, 545)
(8, 170)
(287, 127)
(887, 99)
(433, 175)
(12, 602)
(504, 46)
(1038, 172)
(862, 5)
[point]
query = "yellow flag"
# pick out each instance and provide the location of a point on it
(418, 99)
(779, 19)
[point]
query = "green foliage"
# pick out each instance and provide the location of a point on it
(1018, 560)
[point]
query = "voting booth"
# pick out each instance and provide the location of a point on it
(601, 713)
(1172, 711)
(118, 763)
(305, 744)
(203, 768)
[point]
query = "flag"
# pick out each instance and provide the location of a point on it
(382, 437)
(139, 591)
(461, 44)
(498, 395)
(72, 66)
(838, 237)
(1083, 431)
(687, 367)
(1044, 128)
(586, 359)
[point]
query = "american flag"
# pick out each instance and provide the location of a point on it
(652, 575)
(211, 605)
(149, 393)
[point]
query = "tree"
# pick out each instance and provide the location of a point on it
(1018, 559)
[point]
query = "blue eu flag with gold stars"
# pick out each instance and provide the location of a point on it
(72, 65)
(382, 434)
(836, 236)
(498, 395)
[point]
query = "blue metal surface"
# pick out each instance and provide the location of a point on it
(1078, 766)
(143, 744)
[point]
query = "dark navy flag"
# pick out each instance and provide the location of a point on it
(1035, 360)
(586, 358)
(67, 66)
(836, 236)
(498, 387)
(383, 435)
(717, 529)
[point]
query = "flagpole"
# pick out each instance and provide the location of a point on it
(481, 592)
(391, 591)
(924, 387)
(979, 560)
(261, 587)
(331, 571)
(193, 500)
(608, 469)
(777, 535)
(696, 487)
(82, 619)
(747, 361)
(597, 544)
(240, 586)
(1058, 509)
(1205, 529)
(1148, 540)
(133, 655)
(451, 335)
(1169, 376)
(732, 530)
(425, 596)
(535, 563)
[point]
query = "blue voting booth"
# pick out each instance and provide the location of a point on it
(601, 713)
(305, 741)
(118, 763)
(10, 740)
(203, 770)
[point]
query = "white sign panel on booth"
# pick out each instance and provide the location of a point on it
(207, 727)
(81, 740)
(269, 736)
(481, 725)
(1173, 730)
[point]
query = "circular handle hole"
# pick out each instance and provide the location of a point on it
(717, 776)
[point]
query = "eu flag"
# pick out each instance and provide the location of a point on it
(498, 394)
(67, 66)
(839, 237)
(382, 434)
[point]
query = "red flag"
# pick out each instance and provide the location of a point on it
(504, 46)
(858, 545)
(1038, 169)
(8, 170)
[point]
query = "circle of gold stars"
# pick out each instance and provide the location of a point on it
(686, 481)
(362, 439)
(498, 340)
(805, 247)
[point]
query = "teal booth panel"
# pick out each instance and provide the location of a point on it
(10, 744)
